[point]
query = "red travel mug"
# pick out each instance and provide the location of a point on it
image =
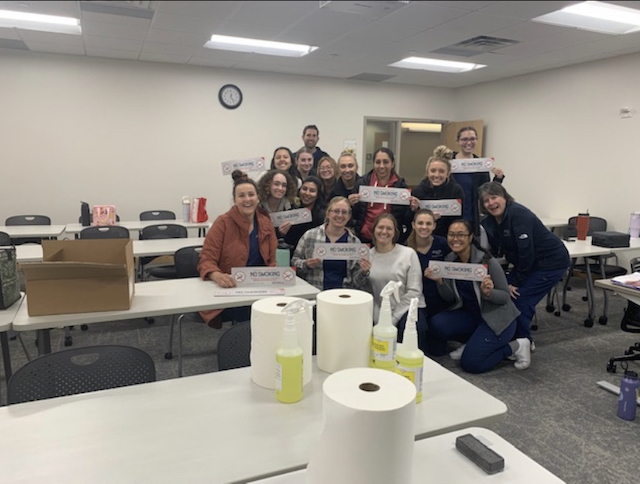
(582, 226)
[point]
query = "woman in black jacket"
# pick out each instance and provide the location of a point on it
(438, 185)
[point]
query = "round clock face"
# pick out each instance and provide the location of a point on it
(230, 96)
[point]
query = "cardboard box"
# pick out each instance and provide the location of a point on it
(80, 276)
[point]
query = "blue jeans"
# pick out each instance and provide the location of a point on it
(534, 288)
(484, 348)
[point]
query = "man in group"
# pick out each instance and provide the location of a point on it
(310, 137)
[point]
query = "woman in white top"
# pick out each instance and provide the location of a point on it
(394, 262)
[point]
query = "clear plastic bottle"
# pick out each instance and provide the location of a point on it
(385, 334)
(409, 358)
(289, 357)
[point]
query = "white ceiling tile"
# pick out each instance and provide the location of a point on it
(113, 43)
(425, 15)
(141, 23)
(8, 33)
(198, 9)
(111, 29)
(176, 37)
(112, 53)
(479, 24)
(173, 59)
(54, 48)
(32, 36)
(524, 10)
(279, 15)
(62, 9)
(184, 23)
(170, 49)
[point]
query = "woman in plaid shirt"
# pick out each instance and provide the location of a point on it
(330, 274)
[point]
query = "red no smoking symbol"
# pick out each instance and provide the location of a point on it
(454, 207)
(288, 275)
(454, 165)
(226, 168)
(488, 164)
(404, 196)
(321, 251)
(363, 251)
(306, 214)
(479, 272)
(364, 194)
(239, 276)
(435, 269)
(260, 163)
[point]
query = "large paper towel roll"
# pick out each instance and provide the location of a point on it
(344, 322)
(267, 325)
(368, 429)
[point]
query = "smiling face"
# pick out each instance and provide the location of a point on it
(282, 160)
(310, 138)
(304, 161)
(437, 172)
(278, 186)
(308, 193)
(459, 238)
(338, 214)
(347, 167)
(423, 225)
(494, 205)
(384, 232)
(467, 142)
(383, 165)
(325, 170)
(246, 199)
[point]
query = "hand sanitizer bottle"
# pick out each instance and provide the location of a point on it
(385, 334)
(409, 358)
(289, 354)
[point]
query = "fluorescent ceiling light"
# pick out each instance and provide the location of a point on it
(36, 21)
(595, 16)
(435, 65)
(239, 44)
(422, 127)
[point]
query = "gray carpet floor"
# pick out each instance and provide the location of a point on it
(557, 414)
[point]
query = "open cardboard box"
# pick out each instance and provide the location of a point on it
(80, 276)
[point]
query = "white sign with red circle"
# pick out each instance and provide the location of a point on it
(458, 270)
(294, 217)
(471, 165)
(341, 251)
(264, 276)
(396, 196)
(451, 207)
(252, 164)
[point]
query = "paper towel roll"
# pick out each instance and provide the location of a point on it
(634, 224)
(369, 433)
(267, 326)
(344, 323)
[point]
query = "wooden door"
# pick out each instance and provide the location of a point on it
(450, 130)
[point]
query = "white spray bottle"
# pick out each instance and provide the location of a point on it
(409, 358)
(385, 334)
(289, 361)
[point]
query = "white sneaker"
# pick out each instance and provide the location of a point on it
(457, 353)
(533, 346)
(523, 354)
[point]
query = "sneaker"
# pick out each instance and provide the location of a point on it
(533, 346)
(457, 353)
(523, 354)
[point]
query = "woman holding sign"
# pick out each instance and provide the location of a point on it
(383, 175)
(539, 258)
(277, 191)
(467, 138)
(482, 316)
(242, 237)
(310, 198)
(329, 274)
(438, 185)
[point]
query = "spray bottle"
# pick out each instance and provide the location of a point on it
(385, 334)
(409, 358)
(289, 374)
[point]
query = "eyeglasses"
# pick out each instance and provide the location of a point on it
(325, 168)
(467, 140)
(457, 236)
(339, 212)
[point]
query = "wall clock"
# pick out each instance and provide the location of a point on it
(230, 96)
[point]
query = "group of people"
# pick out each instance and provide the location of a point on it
(489, 318)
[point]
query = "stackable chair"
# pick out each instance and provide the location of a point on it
(234, 347)
(105, 232)
(157, 215)
(80, 370)
(160, 231)
(5, 238)
(27, 220)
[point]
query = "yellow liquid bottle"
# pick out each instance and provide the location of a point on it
(385, 334)
(289, 375)
(409, 358)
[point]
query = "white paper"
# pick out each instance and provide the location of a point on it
(396, 196)
(237, 291)
(341, 251)
(252, 164)
(261, 276)
(458, 270)
(297, 216)
(471, 165)
(443, 207)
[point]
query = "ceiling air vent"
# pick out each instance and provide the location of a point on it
(475, 46)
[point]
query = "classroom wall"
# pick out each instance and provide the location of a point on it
(141, 135)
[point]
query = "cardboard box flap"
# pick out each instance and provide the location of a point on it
(87, 250)
(71, 270)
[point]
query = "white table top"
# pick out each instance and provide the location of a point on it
(632, 295)
(135, 225)
(8, 315)
(157, 298)
(214, 428)
(16, 231)
(141, 248)
(437, 460)
(583, 248)
(551, 222)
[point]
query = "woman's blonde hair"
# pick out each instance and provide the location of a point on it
(442, 154)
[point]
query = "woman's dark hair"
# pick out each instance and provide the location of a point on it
(241, 178)
(316, 181)
(292, 170)
(264, 185)
(474, 241)
(318, 209)
(411, 240)
(466, 128)
(495, 189)
(379, 218)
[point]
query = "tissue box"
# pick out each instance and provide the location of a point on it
(610, 239)
(79, 276)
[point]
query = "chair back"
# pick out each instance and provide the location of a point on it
(157, 215)
(80, 370)
(234, 347)
(28, 220)
(186, 261)
(5, 238)
(596, 224)
(105, 232)
(91, 218)
(164, 231)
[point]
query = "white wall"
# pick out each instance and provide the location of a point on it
(141, 135)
